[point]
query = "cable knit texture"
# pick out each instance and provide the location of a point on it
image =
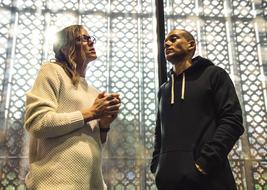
(65, 153)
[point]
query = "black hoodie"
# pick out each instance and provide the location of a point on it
(199, 112)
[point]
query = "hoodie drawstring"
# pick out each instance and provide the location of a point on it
(183, 86)
(172, 88)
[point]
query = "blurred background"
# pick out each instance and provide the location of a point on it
(129, 33)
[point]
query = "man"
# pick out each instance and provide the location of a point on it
(198, 122)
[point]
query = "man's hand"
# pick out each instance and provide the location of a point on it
(200, 169)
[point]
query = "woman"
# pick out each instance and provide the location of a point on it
(67, 119)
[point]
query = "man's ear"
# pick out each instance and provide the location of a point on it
(192, 45)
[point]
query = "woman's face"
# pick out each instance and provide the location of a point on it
(85, 46)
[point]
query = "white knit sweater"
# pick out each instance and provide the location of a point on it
(65, 153)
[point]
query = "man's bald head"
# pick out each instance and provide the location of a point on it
(187, 35)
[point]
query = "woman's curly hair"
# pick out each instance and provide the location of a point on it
(64, 49)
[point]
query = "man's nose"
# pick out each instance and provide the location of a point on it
(166, 44)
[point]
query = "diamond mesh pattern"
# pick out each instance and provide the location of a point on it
(4, 50)
(230, 33)
(213, 8)
(125, 64)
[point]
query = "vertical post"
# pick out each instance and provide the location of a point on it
(162, 69)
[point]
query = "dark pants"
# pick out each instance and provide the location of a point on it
(192, 182)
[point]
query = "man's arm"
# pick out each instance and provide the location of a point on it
(229, 124)
(157, 146)
(157, 141)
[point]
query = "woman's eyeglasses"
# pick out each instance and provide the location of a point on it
(85, 38)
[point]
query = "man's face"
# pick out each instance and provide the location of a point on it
(177, 47)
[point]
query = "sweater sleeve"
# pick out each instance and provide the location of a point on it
(157, 142)
(229, 123)
(41, 117)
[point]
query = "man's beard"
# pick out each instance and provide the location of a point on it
(176, 58)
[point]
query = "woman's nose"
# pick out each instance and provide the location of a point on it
(90, 43)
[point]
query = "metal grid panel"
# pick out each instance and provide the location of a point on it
(126, 64)
(230, 33)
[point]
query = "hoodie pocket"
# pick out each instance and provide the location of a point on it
(178, 167)
(192, 178)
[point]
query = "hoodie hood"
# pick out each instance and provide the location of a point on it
(197, 62)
